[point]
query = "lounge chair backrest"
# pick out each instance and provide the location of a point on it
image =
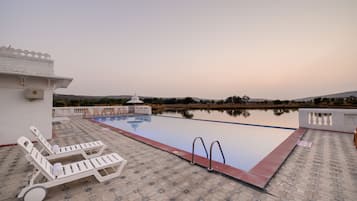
(36, 158)
(42, 139)
(25, 144)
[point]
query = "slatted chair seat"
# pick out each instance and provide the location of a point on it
(90, 145)
(97, 163)
(87, 150)
(75, 168)
(106, 160)
(70, 148)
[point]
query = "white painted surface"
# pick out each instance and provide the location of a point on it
(21, 70)
(60, 120)
(135, 100)
(142, 109)
(343, 120)
(99, 110)
(24, 61)
(18, 114)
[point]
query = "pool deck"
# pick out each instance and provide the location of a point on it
(326, 171)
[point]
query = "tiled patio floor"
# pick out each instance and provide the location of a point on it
(327, 171)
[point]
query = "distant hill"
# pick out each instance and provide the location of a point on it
(80, 97)
(336, 95)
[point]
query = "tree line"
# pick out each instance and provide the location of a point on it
(67, 101)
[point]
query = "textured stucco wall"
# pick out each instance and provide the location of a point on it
(18, 113)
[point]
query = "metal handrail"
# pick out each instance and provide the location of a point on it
(210, 154)
(193, 148)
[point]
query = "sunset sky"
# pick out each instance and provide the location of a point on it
(209, 49)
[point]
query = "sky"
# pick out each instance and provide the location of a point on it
(177, 48)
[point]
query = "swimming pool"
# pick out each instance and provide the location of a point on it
(243, 146)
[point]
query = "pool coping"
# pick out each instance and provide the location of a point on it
(259, 176)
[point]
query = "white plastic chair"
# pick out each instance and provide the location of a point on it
(102, 168)
(87, 150)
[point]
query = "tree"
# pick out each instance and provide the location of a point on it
(245, 99)
(276, 102)
(170, 101)
(74, 102)
(285, 102)
(317, 101)
(325, 100)
(219, 102)
(188, 100)
(59, 103)
(351, 100)
(338, 101)
(233, 99)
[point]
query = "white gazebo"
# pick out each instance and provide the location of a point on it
(27, 82)
(135, 100)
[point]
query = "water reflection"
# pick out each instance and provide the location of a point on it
(186, 114)
(277, 117)
(238, 112)
(135, 121)
(280, 111)
(189, 114)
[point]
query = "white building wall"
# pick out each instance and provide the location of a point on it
(18, 114)
(21, 70)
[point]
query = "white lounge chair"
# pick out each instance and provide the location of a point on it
(87, 150)
(102, 168)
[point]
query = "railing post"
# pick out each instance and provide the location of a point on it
(341, 120)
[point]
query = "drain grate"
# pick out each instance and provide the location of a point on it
(303, 143)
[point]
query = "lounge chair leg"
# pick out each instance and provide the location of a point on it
(99, 153)
(101, 178)
(34, 177)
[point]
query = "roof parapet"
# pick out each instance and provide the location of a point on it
(26, 54)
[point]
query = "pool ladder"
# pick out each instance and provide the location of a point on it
(210, 151)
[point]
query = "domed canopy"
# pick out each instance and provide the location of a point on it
(135, 100)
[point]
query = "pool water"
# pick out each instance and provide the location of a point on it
(243, 146)
(273, 117)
